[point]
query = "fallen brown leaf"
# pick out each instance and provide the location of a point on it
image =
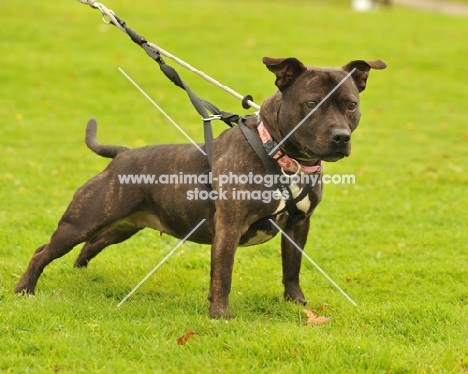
(322, 307)
(186, 337)
(314, 319)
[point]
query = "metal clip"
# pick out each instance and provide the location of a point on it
(298, 165)
(105, 13)
(269, 145)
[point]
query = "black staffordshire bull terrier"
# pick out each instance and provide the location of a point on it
(108, 210)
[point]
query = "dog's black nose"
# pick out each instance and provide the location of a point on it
(341, 136)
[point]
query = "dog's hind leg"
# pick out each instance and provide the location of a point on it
(62, 241)
(92, 209)
(112, 235)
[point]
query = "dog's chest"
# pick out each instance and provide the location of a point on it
(258, 234)
(303, 205)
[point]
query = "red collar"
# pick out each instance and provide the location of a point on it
(284, 161)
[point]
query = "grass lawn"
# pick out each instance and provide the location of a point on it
(396, 241)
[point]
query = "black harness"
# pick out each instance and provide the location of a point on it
(263, 150)
(203, 106)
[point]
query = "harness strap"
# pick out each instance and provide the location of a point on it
(305, 191)
(285, 162)
(295, 215)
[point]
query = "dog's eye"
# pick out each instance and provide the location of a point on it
(311, 104)
(352, 106)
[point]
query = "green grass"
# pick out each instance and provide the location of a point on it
(396, 241)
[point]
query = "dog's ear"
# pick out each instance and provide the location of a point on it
(361, 73)
(285, 69)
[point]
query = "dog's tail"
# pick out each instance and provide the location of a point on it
(109, 151)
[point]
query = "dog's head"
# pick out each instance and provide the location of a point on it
(315, 109)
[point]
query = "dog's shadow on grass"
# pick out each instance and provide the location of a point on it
(171, 290)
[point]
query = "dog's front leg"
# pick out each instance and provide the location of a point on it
(226, 239)
(291, 257)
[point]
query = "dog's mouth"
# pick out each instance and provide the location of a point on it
(332, 157)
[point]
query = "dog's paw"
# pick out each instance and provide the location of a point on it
(220, 312)
(80, 263)
(23, 291)
(295, 295)
(299, 300)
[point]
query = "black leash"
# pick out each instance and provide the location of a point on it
(201, 106)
